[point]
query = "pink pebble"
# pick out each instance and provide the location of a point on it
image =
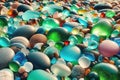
(108, 48)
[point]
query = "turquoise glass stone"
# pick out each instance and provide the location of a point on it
(30, 15)
(51, 9)
(70, 53)
(117, 40)
(50, 23)
(83, 22)
(40, 75)
(4, 42)
(73, 40)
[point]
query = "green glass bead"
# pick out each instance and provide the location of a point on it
(79, 38)
(110, 13)
(50, 23)
(57, 34)
(115, 33)
(74, 8)
(106, 71)
(102, 29)
(59, 45)
(3, 21)
(14, 66)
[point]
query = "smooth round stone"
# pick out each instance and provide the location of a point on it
(23, 8)
(21, 40)
(6, 74)
(60, 70)
(102, 29)
(4, 42)
(106, 71)
(26, 16)
(28, 66)
(37, 38)
(108, 48)
(6, 55)
(57, 34)
(70, 53)
(102, 6)
(92, 76)
(40, 74)
(77, 71)
(29, 31)
(117, 63)
(39, 60)
(50, 23)
(84, 62)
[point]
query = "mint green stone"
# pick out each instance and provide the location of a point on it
(110, 13)
(106, 71)
(102, 29)
(40, 75)
(50, 23)
(74, 8)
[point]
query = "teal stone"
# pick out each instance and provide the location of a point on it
(70, 53)
(40, 75)
(49, 23)
(51, 9)
(4, 42)
(106, 71)
(30, 15)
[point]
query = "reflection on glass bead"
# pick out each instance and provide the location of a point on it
(84, 62)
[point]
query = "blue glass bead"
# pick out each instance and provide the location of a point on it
(90, 56)
(117, 40)
(20, 57)
(83, 22)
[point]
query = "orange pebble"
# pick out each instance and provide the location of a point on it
(87, 71)
(12, 13)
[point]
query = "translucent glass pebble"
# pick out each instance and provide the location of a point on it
(106, 70)
(50, 23)
(84, 62)
(26, 15)
(70, 53)
(110, 13)
(4, 42)
(52, 9)
(14, 66)
(20, 57)
(40, 74)
(28, 66)
(102, 29)
(60, 69)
